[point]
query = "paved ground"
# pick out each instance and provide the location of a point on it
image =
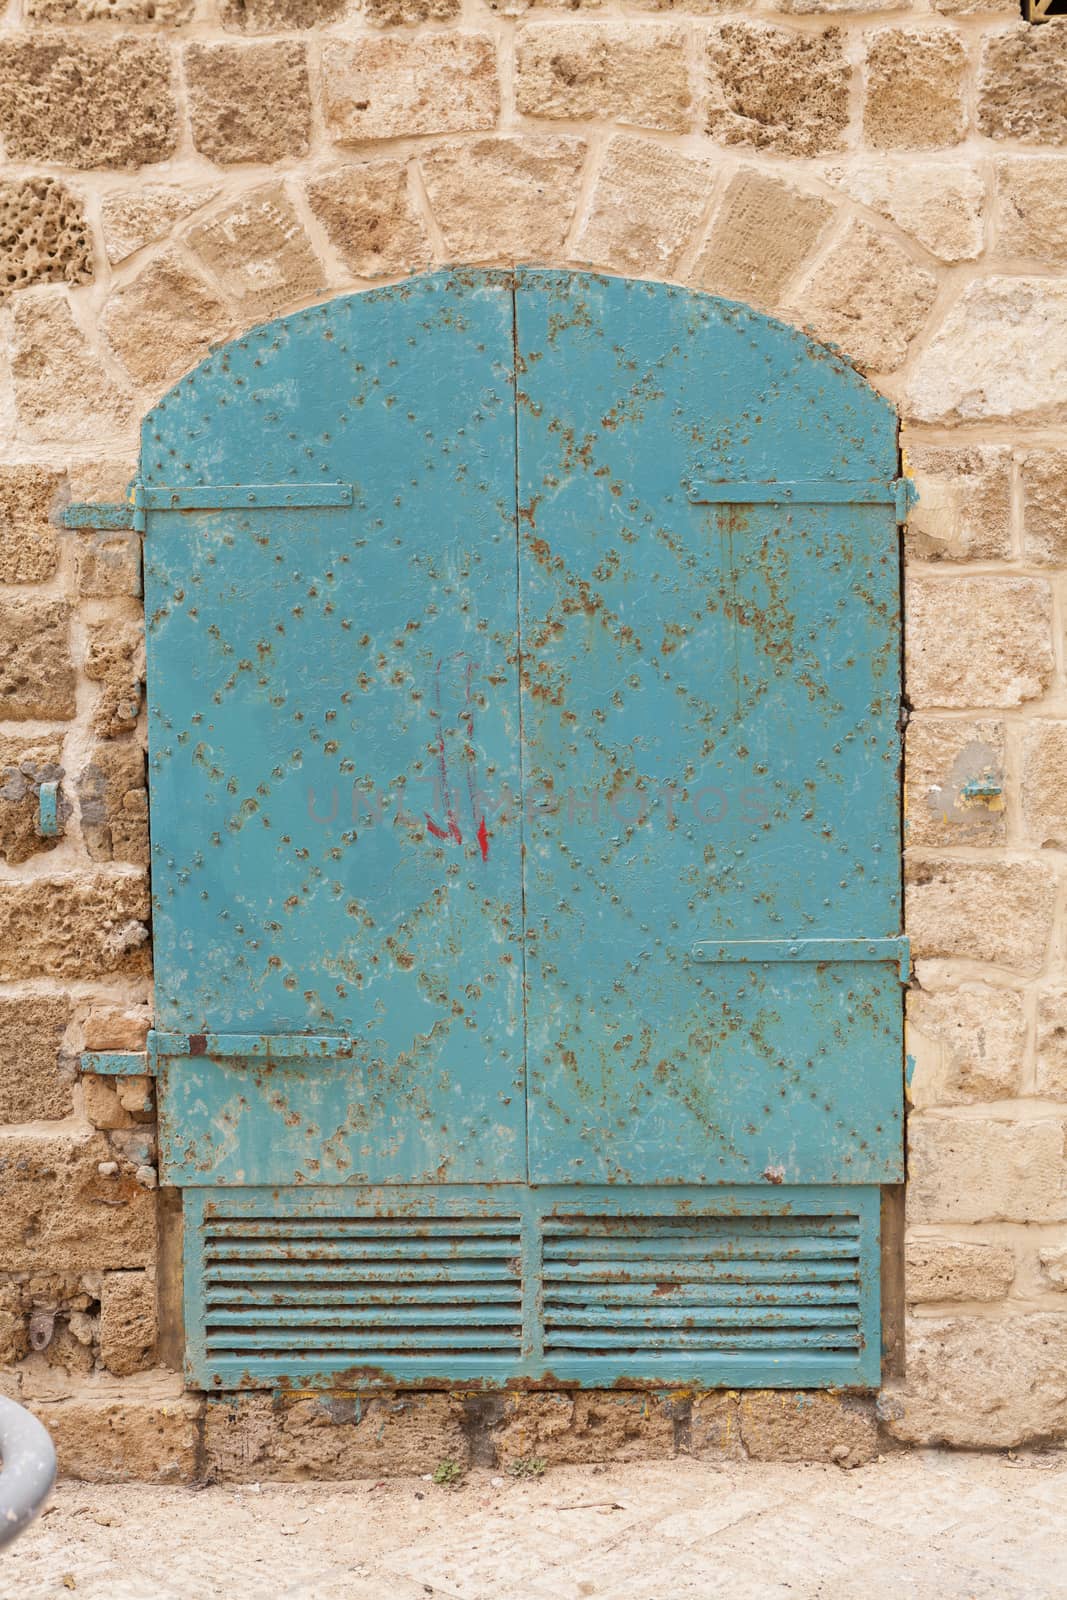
(923, 1525)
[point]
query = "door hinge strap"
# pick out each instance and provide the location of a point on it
(241, 496)
(900, 493)
(810, 951)
(275, 1046)
(118, 1063)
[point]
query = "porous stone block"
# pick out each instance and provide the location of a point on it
(159, 13)
(370, 217)
(384, 88)
(914, 88)
(985, 1169)
(982, 1384)
(977, 641)
(714, 1433)
(259, 252)
(1032, 208)
(80, 102)
(127, 1322)
(966, 1044)
(808, 1425)
(645, 206)
(590, 1425)
(36, 1075)
(964, 507)
(1000, 356)
(1044, 480)
(62, 393)
(1051, 1073)
(996, 911)
(869, 298)
(24, 765)
(28, 496)
(1020, 85)
(36, 670)
(85, 927)
(101, 1104)
(951, 1269)
(133, 218)
(114, 658)
(164, 321)
(279, 16)
(400, 13)
(142, 1430)
(504, 197)
(287, 1438)
(634, 73)
(1044, 783)
(61, 1214)
(113, 803)
(107, 565)
(777, 90)
(44, 237)
(939, 203)
(761, 235)
(116, 1028)
(954, 782)
(249, 102)
(1054, 1268)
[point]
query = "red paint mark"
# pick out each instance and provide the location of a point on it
(483, 839)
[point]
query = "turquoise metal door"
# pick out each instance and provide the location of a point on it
(523, 700)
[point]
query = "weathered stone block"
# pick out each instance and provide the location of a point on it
(61, 390)
(74, 928)
(107, 566)
(133, 218)
(1001, 355)
(777, 90)
(761, 235)
(371, 219)
(976, 1383)
(27, 535)
(949, 1269)
(633, 72)
(114, 658)
(330, 1437)
(127, 1322)
(116, 1028)
(967, 1044)
(984, 641)
(1020, 85)
(1054, 1267)
(160, 13)
(964, 508)
(591, 1425)
(259, 252)
(79, 102)
(36, 1075)
(985, 1169)
(997, 911)
(397, 87)
(44, 237)
(1044, 478)
(113, 801)
(60, 1214)
(36, 670)
(504, 197)
(249, 102)
(954, 782)
(915, 88)
(101, 1104)
(279, 16)
(645, 207)
(869, 298)
(1032, 208)
(714, 1433)
(138, 1431)
(1051, 1075)
(939, 203)
(163, 322)
(808, 1425)
(24, 765)
(1044, 783)
(398, 13)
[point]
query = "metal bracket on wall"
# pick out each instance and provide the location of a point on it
(49, 821)
(118, 1063)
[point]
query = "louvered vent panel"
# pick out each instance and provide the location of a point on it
(626, 1287)
(360, 1291)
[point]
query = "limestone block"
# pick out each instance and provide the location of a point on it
(164, 321)
(914, 88)
(964, 507)
(397, 13)
(1020, 85)
(127, 1322)
(28, 496)
(132, 1432)
(777, 90)
(36, 670)
(133, 218)
(367, 210)
(81, 102)
(44, 237)
(107, 565)
(939, 203)
(1032, 208)
(1044, 783)
(632, 72)
(115, 659)
(966, 1044)
(36, 1076)
(24, 765)
(761, 235)
(384, 88)
(331, 1438)
(62, 392)
(84, 927)
(869, 298)
(101, 1103)
(808, 1425)
(983, 1169)
(113, 803)
(954, 782)
(591, 1425)
(984, 641)
(249, 102)
(996, 911)
(1044, 477)
(1054, 1267)
(976, 1383)
(279, 16)
(504, 197)
(116, 1028)
(1051, 1075)
(1000, 356)
(160, 13)
(645, 207)
(259, 252)
(60, 1214)
(951, 1269)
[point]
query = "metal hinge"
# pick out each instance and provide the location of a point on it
(900, 493)
(809, 951)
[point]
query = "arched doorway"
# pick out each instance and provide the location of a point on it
(523, 695)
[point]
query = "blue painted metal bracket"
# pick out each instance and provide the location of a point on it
(897, 492)
(810, 951)
(236, 496)
(118, 1063)
(99, 515)
(260, 1046)
(49, 825)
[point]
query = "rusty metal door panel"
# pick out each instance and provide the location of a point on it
(710, 745)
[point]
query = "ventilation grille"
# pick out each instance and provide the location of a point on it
(361, 1290)
(630, 1286)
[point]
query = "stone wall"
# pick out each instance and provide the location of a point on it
(893, 178)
